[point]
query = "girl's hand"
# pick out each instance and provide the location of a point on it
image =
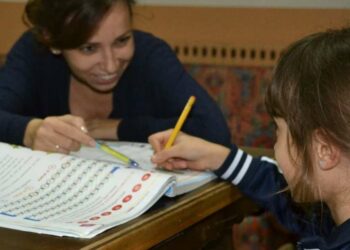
(187, 152)
(61, 134)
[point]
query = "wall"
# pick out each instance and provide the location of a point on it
(11, 25)
(229, 51)
(217, 31)
(268, 29)
(243, 3)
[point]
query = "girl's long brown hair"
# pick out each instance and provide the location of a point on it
(310, 90)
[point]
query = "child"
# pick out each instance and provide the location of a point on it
(309, 100)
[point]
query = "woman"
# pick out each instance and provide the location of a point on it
(81, 72)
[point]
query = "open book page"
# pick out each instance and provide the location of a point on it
(186, 180)
(69, 196)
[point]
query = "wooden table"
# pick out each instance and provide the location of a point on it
(191, 221)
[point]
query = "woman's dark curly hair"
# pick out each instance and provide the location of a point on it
(67, 24)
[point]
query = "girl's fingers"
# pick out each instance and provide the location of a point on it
(158, 140)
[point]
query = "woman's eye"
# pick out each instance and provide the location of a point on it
(122, 41)
(88, 49)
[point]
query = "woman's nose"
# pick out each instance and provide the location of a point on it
(110, 62)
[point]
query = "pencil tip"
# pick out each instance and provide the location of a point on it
(133, 164)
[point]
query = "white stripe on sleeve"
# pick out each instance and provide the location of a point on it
(243, 170)
(233, 165)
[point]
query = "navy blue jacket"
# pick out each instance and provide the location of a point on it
(261, 180)
(148, 98)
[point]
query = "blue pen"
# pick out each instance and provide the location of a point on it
(116, 154)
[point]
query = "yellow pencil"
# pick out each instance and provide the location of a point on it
(180, 121)
(116, 154)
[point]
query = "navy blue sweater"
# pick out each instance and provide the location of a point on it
(148, 98)
(260, 179)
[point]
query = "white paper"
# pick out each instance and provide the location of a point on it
(186, 180)
(64, 195)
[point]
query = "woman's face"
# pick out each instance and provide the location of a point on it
(101, 61)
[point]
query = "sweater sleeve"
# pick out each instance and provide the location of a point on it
(261, 180)
(16, 95)
(171, 87)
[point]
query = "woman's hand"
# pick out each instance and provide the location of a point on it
(61, 134)
(103, 128)
(187, 152)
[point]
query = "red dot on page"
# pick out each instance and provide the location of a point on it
(145, 177)
(106, 213)
(95, 218)
(117, 207)
(127, 198)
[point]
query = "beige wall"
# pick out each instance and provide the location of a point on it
(252, 29)
(237, 25)
(11, 25)
(221, 28)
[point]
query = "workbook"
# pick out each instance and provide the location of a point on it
(186, 180)
(84, 194)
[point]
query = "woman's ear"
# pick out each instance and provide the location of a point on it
(47, 40)
(327, 154)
